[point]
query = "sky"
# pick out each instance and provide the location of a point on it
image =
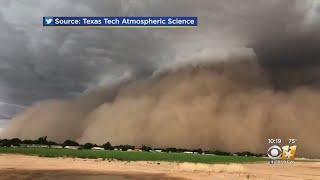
(38, 63)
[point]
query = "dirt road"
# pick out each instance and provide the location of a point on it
(32, 167)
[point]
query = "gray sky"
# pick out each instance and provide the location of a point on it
(39, 63)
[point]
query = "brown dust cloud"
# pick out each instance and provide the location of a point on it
(231, 105)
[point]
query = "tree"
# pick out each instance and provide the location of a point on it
(5, 143)
(27, 141)
(246, 153)
(10, 142)
(146, 148)
(107, 146)
(88, 146)
(15, 141)
(125, 147)
(169, 149)
(221, 153)
(69, 143)
(199, 151)
(50, 143)
(41, 140)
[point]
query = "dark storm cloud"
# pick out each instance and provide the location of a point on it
(38, 63)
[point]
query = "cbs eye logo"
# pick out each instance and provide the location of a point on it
(284, 153)
(274, 152)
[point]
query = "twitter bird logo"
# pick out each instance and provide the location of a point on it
(48, 21)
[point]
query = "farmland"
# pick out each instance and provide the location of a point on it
(129, 155)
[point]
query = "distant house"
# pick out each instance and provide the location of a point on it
(129, 150)
(188, 152)
(158, 150)
(37, 146)
(56, 147)
(43, 146)
(72, 147)
(98, 148)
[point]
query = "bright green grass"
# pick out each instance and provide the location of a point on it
(130, 156)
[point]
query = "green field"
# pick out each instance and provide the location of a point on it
(130, 156)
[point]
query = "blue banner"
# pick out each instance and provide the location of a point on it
(120, 21)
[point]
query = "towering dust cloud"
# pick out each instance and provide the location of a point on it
(228, 105)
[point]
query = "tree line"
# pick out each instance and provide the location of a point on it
(16, 142)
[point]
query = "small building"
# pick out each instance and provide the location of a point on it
(188, 152)
(43, 146)
(56, 147)
(72, 147)
(98, 148)
(37, 146)
(158, 150)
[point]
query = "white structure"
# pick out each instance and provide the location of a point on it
(37, 146)
(98, 148)
(72, 147)
(188, 152)
(56, 147)
(43, 146)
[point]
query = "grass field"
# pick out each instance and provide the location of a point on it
(130, 156)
